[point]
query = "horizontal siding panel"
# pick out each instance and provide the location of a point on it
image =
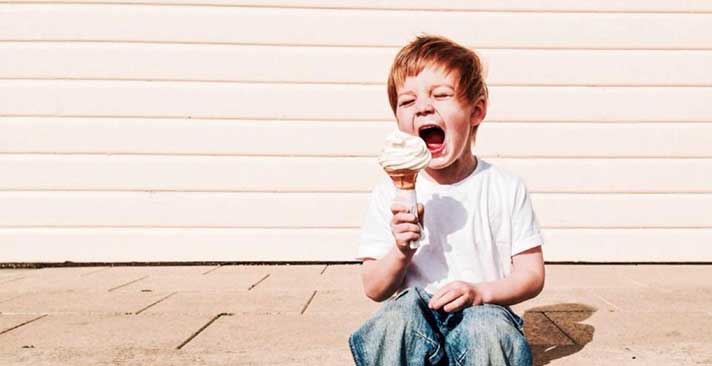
(156, 245)
(328, 64)
(351, 26)
(150, 245)
(628, 245)
(341, 138)
(189, 173)
(660, 140)
(472, 5)
(324, 101)
(304, 174)
(212, 209)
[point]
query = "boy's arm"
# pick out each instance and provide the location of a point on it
(524, 282)
(383, 277)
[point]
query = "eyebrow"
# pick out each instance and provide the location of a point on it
(433, 87)
(439, 85)
(405, 93)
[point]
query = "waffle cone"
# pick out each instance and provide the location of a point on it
(403, 179)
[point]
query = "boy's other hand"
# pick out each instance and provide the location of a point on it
(404, 226)
(456, 296)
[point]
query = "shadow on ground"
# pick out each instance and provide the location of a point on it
(556, 331)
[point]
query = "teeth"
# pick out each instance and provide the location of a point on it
(425, 127)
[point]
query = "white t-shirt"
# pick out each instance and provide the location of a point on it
(471, 228)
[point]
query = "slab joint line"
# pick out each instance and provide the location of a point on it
(21, 324)
(155, 303)
(212, 269)
(560, 330)
(211, 321)
(304, 309)
(128, 283)
(257, 283)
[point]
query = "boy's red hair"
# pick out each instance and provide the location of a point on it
(440, 52)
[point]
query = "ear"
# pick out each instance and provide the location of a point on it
(479, 112)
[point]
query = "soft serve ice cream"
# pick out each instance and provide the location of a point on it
(404, 152)
(402, 158)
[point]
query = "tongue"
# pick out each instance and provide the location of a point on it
(433, 137)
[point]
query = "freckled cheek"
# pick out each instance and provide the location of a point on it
(404, 120)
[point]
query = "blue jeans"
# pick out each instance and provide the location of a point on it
(406, 332)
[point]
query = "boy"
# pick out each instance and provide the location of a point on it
(480, 244)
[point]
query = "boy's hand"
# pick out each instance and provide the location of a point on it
(456, 296)
(404, 226)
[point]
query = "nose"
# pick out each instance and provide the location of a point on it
(423, 106)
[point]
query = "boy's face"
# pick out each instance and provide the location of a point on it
(428, 107)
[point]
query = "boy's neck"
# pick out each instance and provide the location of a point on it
(455, 172)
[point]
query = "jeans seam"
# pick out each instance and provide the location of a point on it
(459, 358)
(431, 341)
(357, 361)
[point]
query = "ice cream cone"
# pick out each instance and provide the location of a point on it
(404, 178)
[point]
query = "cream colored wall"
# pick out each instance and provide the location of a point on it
(247, 130)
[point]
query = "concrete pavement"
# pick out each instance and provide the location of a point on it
(302, 315)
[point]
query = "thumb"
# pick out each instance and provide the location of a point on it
(421, 212)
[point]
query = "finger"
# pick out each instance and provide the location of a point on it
(403, 217)
(442, 291)
(451, 286)
(444, 299)
(457, 304)
(397, 207)
(404, 239)
(438, 294)
(406, 228)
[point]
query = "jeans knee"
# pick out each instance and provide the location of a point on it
(401, 324)
(494, 322)
(398, 313)
(405, 308)
(490, 332)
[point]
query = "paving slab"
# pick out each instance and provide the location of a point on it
(75, 278)
(291, 277)
(287, 336)
(657, 330)
(8, 273)
(659, 300)
(238, 302)
(79, 302)
(9, 322)
(343, 302)
(95, 339)
(564, 300)
(593, 354)
(199, 279)
(560, 276)
(341, 277)
(586, 315)
(671, 276)
(541, 331)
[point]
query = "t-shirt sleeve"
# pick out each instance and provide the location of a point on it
(375, 238)
(525, 228)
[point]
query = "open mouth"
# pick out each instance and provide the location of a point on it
(434, 137)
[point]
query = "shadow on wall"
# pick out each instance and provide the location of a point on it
(556, 331)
